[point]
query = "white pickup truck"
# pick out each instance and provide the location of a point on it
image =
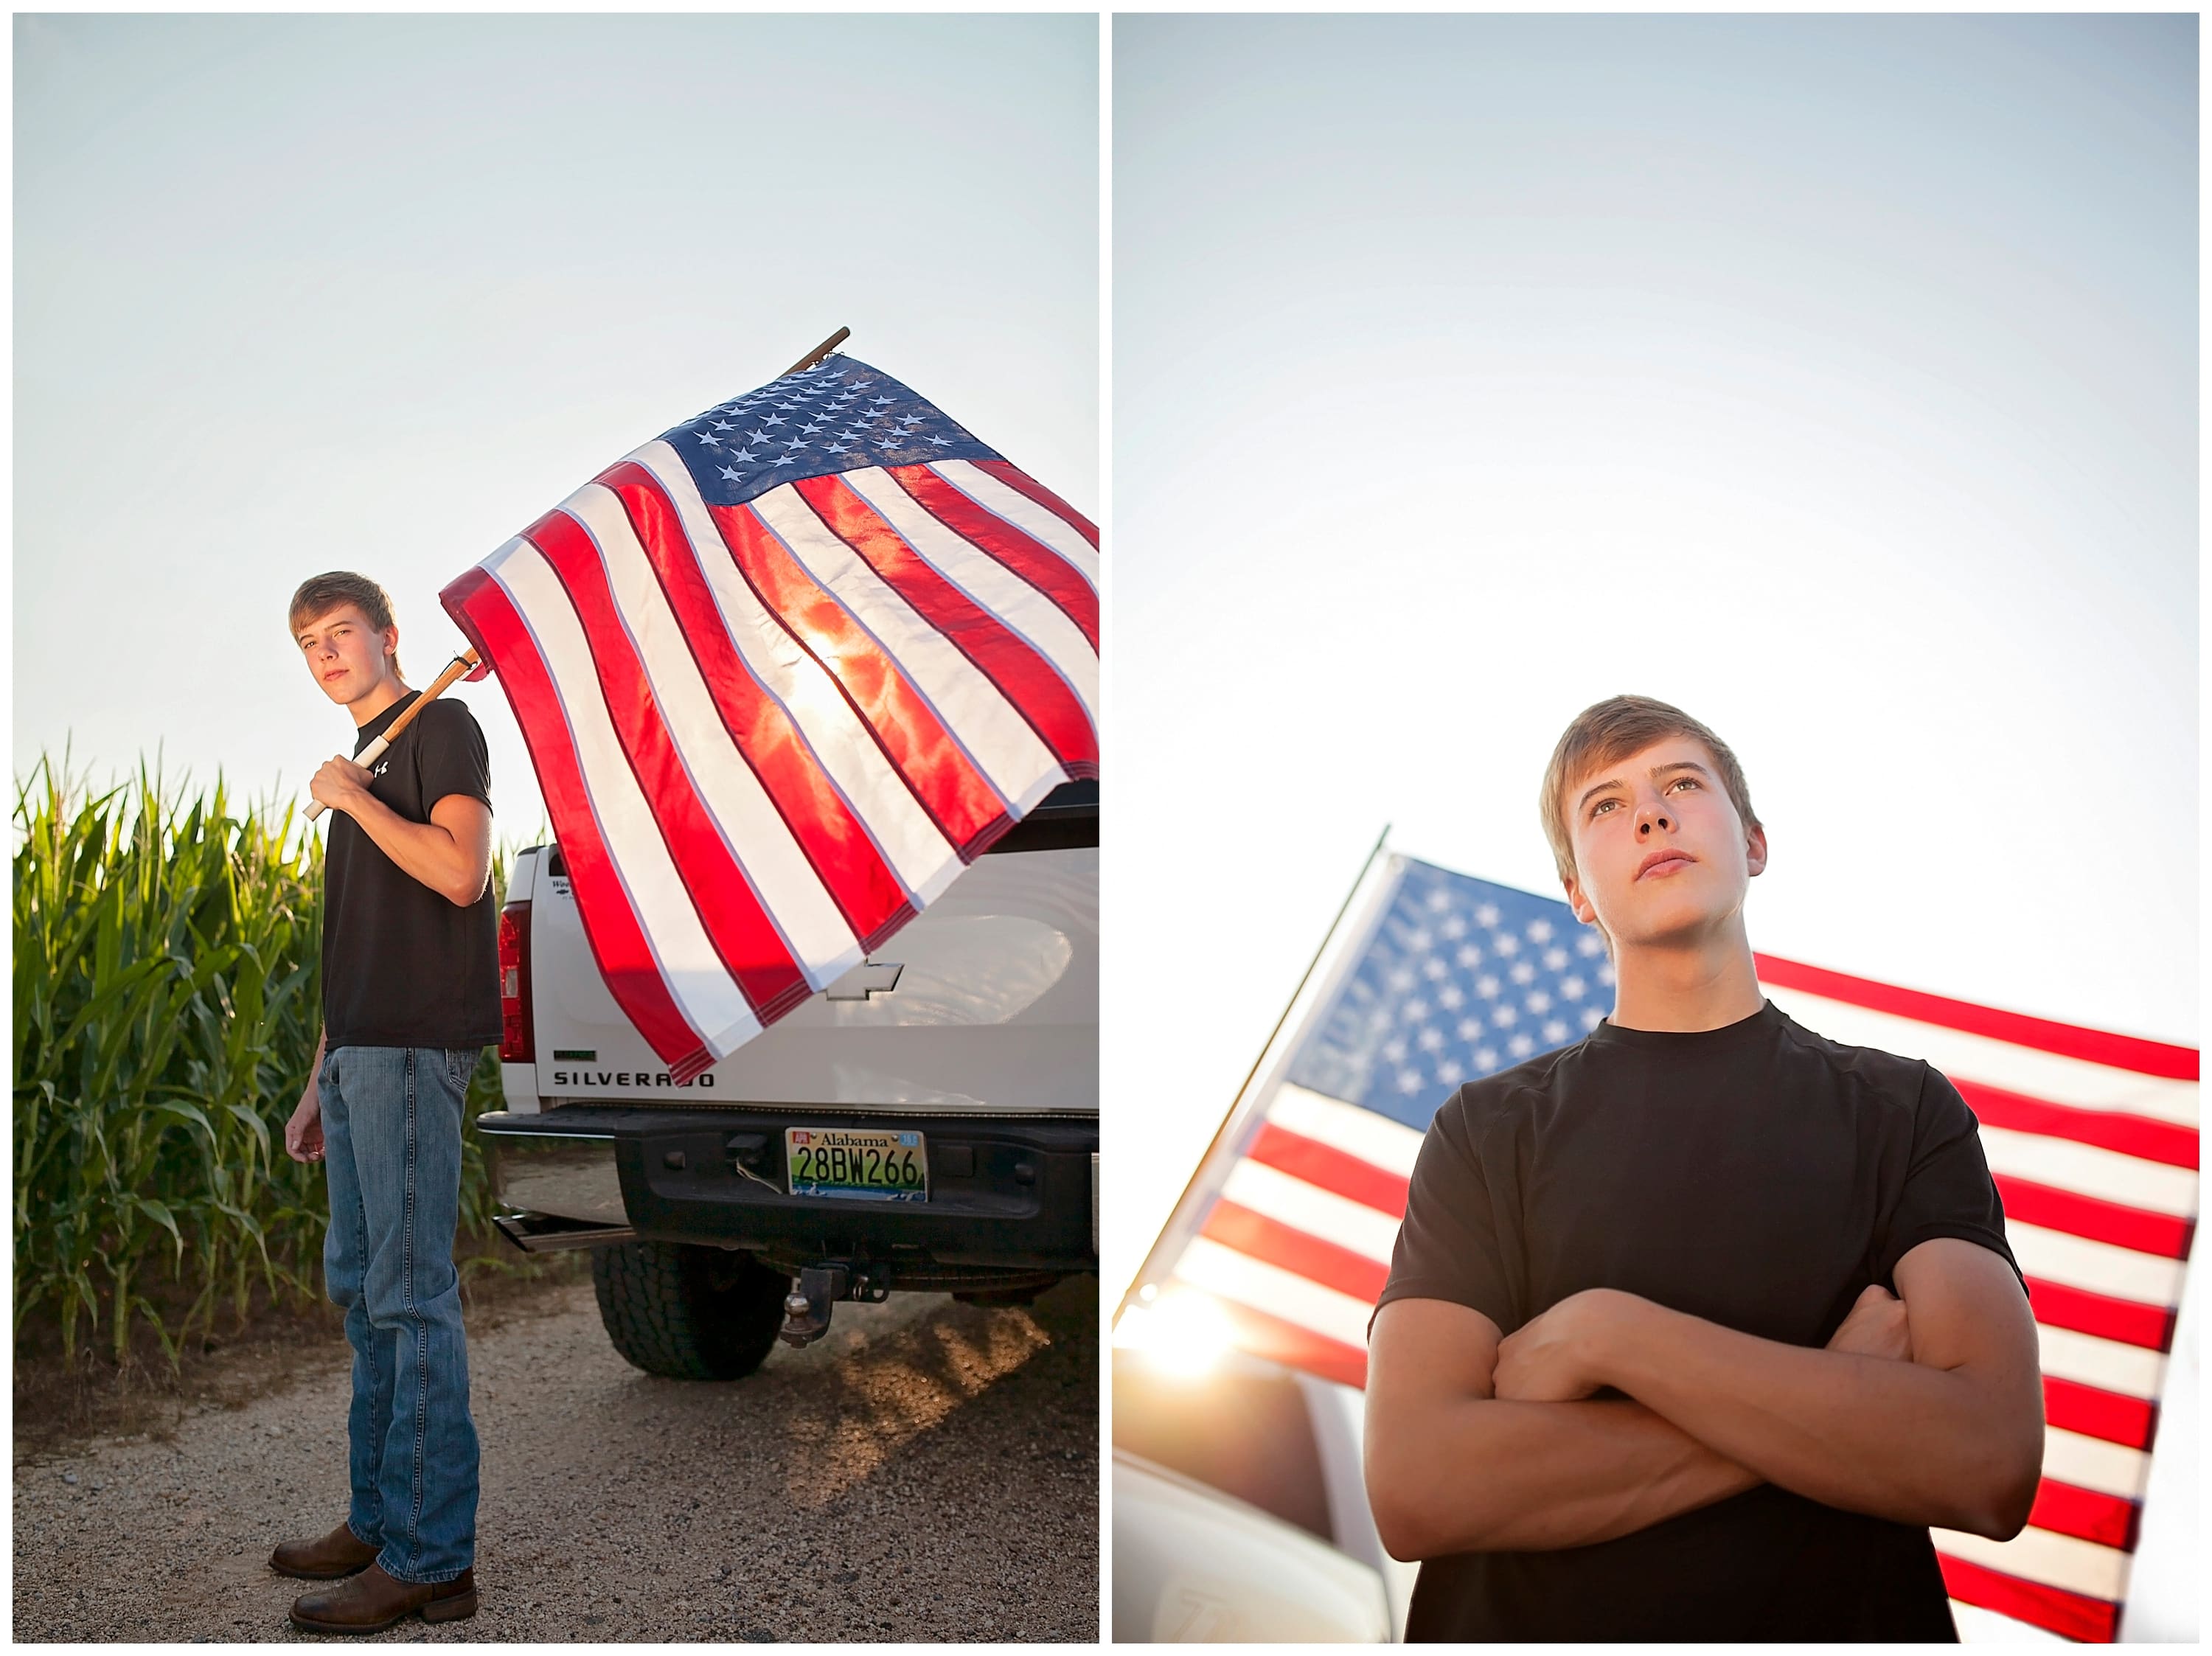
(929, 1122)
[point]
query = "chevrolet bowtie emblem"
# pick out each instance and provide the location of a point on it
(863, 981)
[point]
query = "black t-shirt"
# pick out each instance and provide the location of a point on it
(402, 966)
(1757, 1175)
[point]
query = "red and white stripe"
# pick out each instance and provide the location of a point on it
(2091, 1137)
(767, 735)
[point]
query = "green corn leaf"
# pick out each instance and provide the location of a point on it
(166, 989)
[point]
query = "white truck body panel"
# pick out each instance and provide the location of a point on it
(994, 1009)
(1192, 1566)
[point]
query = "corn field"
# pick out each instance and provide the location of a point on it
(168, 1002)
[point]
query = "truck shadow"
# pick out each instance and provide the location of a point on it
(862, 1415)
(886, 1375)
(928, 1470)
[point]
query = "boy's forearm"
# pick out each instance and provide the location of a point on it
(1900, 1441)
(1488, 1476)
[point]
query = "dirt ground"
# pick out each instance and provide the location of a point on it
(928, 1471)
(58, 1403)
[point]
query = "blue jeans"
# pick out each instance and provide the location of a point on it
(392, 1137)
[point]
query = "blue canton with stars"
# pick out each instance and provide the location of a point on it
(1461, 978)
(837, 416)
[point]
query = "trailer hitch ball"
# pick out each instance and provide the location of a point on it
(807, 1309)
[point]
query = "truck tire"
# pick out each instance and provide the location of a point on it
(703, 1313)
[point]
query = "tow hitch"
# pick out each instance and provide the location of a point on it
(815, 1291)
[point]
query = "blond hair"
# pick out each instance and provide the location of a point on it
(321, 594)
(1607, 732)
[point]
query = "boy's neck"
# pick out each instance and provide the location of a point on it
(389, 689)
(1704, 987)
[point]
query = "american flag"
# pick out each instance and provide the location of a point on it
(1286, 1234)
(783, 672)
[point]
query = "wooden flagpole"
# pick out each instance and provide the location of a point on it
(820, 351)
(458, 668)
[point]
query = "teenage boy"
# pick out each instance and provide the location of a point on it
(1695, 1326)
(411, 998)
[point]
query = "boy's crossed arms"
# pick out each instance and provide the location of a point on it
(1924, 1410)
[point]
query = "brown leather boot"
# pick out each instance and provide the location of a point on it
(339, 1553)
(373, 1601)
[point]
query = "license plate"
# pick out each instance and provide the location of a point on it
(864, 1164)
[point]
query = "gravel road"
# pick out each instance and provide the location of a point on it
(928, 1471)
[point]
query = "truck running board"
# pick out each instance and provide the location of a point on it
(540, 1233)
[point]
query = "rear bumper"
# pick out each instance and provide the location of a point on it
(1005, 1194)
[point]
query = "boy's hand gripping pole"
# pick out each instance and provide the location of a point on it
(460, 667)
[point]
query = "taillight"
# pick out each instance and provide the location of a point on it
(515, 1044)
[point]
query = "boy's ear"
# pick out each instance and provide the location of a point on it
(1755, 850)
(1574, 891)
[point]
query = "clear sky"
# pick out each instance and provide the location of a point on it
(1834, 380)
(296, 293)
